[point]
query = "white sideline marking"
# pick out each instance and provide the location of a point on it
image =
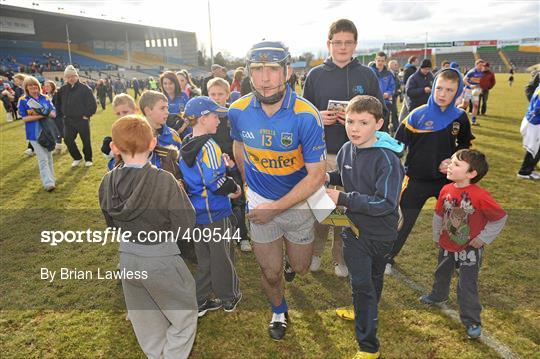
(486, 337)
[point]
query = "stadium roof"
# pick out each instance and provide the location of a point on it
(51, 26)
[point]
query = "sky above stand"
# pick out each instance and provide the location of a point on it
(303, 25)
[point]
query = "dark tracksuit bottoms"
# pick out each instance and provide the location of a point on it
(215, 263)
(72, 128)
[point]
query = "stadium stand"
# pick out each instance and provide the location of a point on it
(491, 55)
(522, 57)
(464, 59)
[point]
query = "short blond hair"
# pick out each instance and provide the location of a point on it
(149, 98)
(132, 134)
(19, 76)
(218, 81)
(30, 80)
(124, 99)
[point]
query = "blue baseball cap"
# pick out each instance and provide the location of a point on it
(203, 105)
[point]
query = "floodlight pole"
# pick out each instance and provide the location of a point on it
(68, 44)
(210, 28)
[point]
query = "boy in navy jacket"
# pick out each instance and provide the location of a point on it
(371, 174)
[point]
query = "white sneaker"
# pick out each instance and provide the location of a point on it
(388, 269)
(245, 246)
(315, 264)
(88, 164)
(29, 152)
(9, 117)
(535, 176)
(341, 270)
(75, 163)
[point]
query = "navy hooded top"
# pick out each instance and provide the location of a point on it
(330, 82)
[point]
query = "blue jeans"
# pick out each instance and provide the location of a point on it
(366, 261)
(45, 162)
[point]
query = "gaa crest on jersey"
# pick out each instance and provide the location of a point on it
(455, 128)
(286, 139)
(429, 125)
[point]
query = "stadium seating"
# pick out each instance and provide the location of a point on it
(522, 59)
(491, 55)
(464, 59)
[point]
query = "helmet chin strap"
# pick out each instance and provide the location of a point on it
(272, 99)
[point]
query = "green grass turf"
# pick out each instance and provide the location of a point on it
(85, 319)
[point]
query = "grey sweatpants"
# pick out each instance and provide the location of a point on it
(468, 263)
(215, 263)
(162, 308)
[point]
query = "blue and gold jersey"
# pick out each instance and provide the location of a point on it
(276, 148)
(473, 77)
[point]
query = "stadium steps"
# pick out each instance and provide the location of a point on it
(504, 59)
(476, 56)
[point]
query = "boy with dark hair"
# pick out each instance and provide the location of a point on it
(340, 77)
(432, 133)
(371, 174)
(466, 218)
(161, 298)
(387, 83)
(211, 190)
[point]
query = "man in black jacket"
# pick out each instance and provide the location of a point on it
(78, 105)
(419, 86)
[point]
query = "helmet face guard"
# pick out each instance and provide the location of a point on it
(268, 54)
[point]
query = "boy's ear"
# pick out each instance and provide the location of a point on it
(472, 174)
(289, 72)
(152, 144)
(114, 149)
(380, 123)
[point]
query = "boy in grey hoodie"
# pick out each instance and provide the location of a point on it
(142, 201)
(371, 174)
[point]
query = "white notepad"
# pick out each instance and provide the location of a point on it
(321, 204)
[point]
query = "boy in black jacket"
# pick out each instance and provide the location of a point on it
(371, 174)
(432, 133)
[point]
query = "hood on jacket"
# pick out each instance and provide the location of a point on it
(430, 117)
(384, 72)
(128, 193)
(409, 66)
(329, 65)
(384, 140)
(191, 147)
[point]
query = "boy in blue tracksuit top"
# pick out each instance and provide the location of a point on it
(371, 174)
(210, 190)
(386, 79)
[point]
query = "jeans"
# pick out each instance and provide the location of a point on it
(366, 260)
(45, 162)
